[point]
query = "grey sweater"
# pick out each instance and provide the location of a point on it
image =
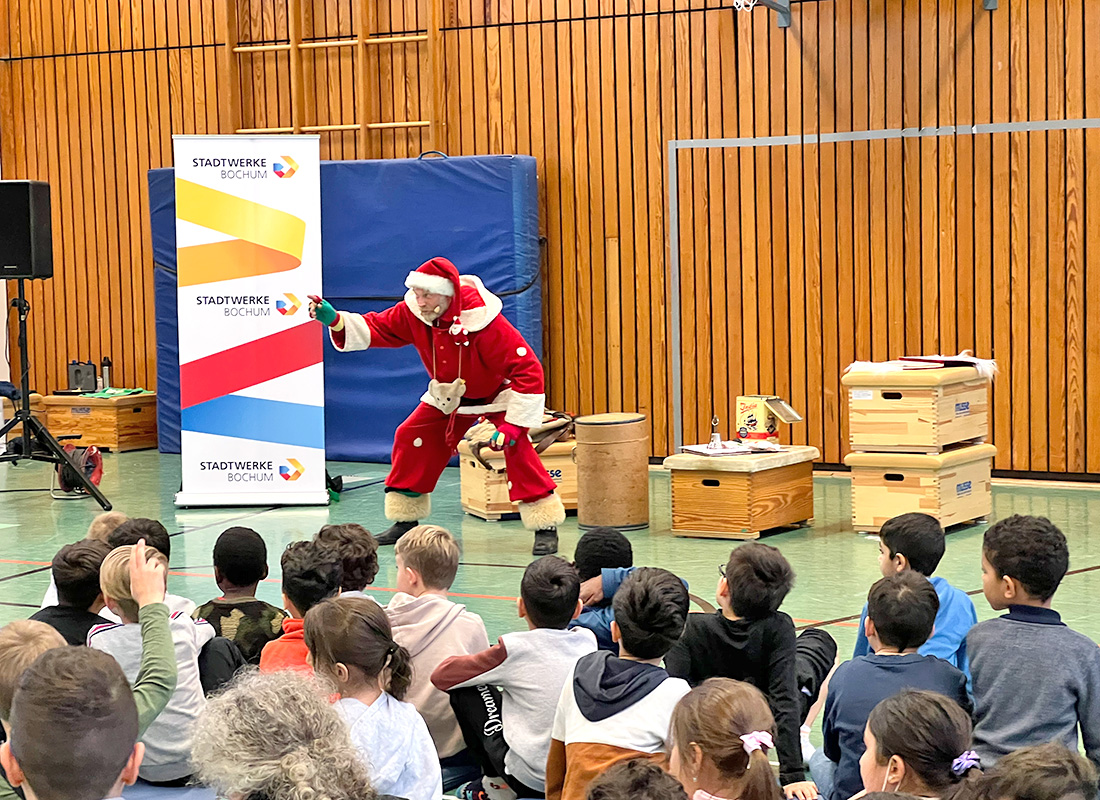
(1035, 681)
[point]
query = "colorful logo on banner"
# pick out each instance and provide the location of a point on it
(293, 472)
(284, 168)
(289, 306)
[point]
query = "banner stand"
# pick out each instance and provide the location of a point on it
(248, 244)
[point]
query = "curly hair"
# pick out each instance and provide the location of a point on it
(651, 608)
(358, 551)
(276, 736)
(1030, 549)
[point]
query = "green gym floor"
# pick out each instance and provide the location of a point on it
(834, 566)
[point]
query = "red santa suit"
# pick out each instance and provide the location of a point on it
(480, 366)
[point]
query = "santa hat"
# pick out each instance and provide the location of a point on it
(438, 276)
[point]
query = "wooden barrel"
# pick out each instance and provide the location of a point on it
(612, 456)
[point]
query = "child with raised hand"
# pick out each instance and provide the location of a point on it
(721, 733)
(917, 743)
(130, 532)
(168, 738)
(351, 643)
(1035, 679)
(916, 542)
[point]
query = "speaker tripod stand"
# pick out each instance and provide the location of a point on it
(38, 444)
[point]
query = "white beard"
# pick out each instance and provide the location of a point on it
(432, 314)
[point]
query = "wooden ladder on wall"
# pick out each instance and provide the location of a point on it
(431, 46)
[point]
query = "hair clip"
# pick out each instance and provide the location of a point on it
(757, 740)
(967, 761)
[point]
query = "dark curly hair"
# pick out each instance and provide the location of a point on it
(358, 551)
(651, 608)
(602, 548)
(1030, 549)
(759, 579)
(311, 572)
(636, 779)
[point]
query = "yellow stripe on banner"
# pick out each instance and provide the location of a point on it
(267, 240)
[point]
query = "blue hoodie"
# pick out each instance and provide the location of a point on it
(953, 621)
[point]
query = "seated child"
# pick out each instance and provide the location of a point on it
(168, 739)
(1035, 679)
(613, 708)
(505, 697)
(432, 629)
(75, 574)
(636, 779)
(156, 536)
(916, 542)
(917, 743)
(311, 573)
(720, 731)
(21, 642)
(901, 610)
(1044, 772)
(603, 557)
(749, 639)
(240, 563)
(101, 528)
(74, 728)
(358, 551)
(350, 643)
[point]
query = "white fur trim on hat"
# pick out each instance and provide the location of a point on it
(436, 284)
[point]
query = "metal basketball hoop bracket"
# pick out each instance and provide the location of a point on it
(782, 9)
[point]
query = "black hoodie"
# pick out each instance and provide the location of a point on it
(604, 685)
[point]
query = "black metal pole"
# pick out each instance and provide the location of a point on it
(22, 308)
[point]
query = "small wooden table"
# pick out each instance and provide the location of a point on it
(739, 497)
(127, 422)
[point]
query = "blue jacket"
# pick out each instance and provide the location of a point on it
(955, 619)
(598, 619)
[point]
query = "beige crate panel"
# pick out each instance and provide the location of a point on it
(739, 505)
(922, 420)
(953, 495)
(485, 492)
(38, 411)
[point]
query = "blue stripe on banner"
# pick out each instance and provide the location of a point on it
(262, 420)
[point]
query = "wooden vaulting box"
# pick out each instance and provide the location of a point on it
(38, 411)
(128, 422)
(485, 490)
(953, 487)
(916, 410)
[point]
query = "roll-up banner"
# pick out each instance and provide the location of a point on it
(248, 241)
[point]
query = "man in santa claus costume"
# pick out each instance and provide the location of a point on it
(480, 366)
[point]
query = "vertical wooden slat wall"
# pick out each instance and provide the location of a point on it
(794, 259)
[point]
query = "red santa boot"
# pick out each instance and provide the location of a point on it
(405, 510)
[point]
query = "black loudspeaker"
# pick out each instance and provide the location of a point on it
(26, 242)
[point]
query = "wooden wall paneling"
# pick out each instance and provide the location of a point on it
(759, 99)
(624, 315)
(963, 199)
(694, 87)
(688, 204)
(982, 144)
(506, 73)
(604, 200)
(1055, 299)
(57, 34)
(1000, 233)
(1034, 206)
(116, 237)
(131, 132)
(552, 176)
(568, 47)
(864, 300)
(926, 179)
(846, 263)
(1076, 341)
(896, 188)
(715, 305)
(947, 222)
(796, 251)
(655, 379)
(747, 212)
(882, 320)
(811, 172)
(1091, 198)
(586, 175)
(780, 278)
(830, 321)
(1020, 233)
(911, 178)
(494, 88)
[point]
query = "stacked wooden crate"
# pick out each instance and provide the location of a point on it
(918, 444)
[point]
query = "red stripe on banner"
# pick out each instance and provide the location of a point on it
(249, 364)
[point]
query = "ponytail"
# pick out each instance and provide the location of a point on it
(400, 672)
(760, 783)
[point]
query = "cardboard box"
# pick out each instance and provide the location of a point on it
(953, 487)
(759, 415)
